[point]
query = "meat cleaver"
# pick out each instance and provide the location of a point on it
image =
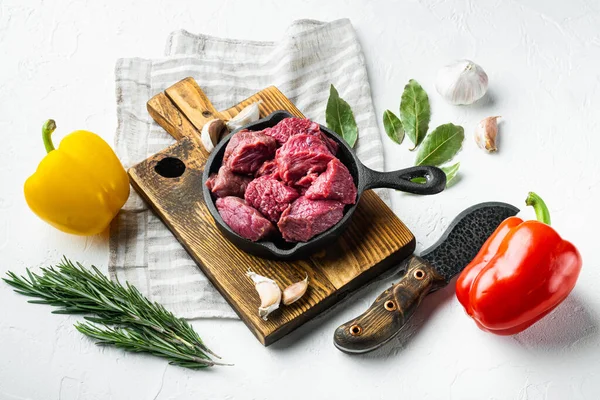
(423, 274)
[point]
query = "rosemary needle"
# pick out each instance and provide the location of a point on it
(116, 315)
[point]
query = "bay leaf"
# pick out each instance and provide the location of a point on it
(393, 126)
(415, 112)
(450, 172)
(441, 145)
(340, 118)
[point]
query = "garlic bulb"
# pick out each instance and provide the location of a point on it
(269, 293)
(293, 292)
(212, 131)
(486, 132)
(462, 82)
(248, 115)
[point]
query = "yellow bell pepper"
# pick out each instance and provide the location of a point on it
(79, 187)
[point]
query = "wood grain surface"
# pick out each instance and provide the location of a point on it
(375, 240)
(391, 310)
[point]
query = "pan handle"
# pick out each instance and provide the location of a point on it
(435, 179)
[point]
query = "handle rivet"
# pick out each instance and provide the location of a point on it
(419, 274)
(206, 114)
(390, 305)
(355, 330)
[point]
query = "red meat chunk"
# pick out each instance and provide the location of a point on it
(306, 218)
(302, 155)
(226, 183)
(289, 127)
(243, 219)
(268, 168)
(270, 196)
(307, 180)
(335, 183)
(247, 150)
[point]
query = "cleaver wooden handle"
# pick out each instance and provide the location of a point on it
(390, 311)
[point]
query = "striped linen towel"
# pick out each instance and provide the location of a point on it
(311, 56)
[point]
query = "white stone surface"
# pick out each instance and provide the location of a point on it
(542, 58)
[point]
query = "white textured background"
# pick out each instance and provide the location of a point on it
(543, 60)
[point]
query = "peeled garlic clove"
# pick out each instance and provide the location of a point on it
(293, 292)
(269, 293)
(248, 115)
(486, 132)
(211, 133)
(462, 82)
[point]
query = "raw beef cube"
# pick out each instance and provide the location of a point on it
(302, 155)
(335, 183)
(306, 218)
(289, 127)
(307, 180)
(210, 182)
(331, 144)
(268, 168)
(247, 150)
(243, 219)
(304, 183)
(270, 196)
(226, 183)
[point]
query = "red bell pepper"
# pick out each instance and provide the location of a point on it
(522, 272)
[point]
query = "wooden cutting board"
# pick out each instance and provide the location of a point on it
(375, 241)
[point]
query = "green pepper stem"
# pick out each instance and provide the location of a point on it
(541, 210)
(47, 129)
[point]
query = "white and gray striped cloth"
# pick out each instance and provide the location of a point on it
(311, 56)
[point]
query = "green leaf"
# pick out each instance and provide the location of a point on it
(450, 172)
(441, 145)
(415, 112)
(393, 126)
(339, 117)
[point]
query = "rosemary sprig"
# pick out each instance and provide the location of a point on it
(139, 324)
(143, 342)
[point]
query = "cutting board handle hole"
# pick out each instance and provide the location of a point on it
(170, 167)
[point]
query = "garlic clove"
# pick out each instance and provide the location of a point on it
(295, 291)
(248, 115)
(462, 82)
(269, 293)
(211, 133)
(486, 133)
